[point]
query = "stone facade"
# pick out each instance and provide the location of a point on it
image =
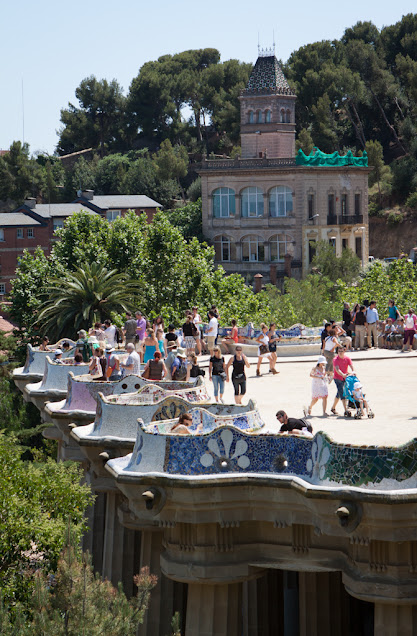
(262, 211)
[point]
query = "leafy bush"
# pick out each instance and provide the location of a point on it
(412, 201)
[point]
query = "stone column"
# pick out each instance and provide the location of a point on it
(267, 257)
(157, 621)
(395, 620)
(291, 614)
(323, 604)
(266, 205)
(214, 610)
(238, 206)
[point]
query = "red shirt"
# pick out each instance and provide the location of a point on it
(342, 364)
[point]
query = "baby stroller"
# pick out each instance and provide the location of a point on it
(352, 402)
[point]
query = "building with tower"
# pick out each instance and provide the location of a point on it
(263, 210)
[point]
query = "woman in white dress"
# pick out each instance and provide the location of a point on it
(319, 387)
(264, 352)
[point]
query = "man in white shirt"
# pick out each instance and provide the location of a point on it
(110, 333)
(212, 332)
(131, 366)
(371, 321)
(198, 322)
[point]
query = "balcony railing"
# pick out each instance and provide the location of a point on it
(232, 164)
(345, 219)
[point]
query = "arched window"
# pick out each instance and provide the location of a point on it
(252, 202)
(267, 116)
(251, 118)
(259, 116)
(288, 116)
(223, 202)
(280, 201)
(282, 116)
(279, 245)
(253, 248)
(223, 249)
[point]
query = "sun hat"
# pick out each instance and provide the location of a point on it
(321, 360)
(58, 352)
(171, 345)
(109, 347)
(181, 352)
(82, 333)
(357, 385)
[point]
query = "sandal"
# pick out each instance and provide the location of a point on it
(333, 411)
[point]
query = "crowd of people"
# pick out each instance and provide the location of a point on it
(158, 352)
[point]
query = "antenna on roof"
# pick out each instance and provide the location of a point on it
(259, 48)
(23, 116)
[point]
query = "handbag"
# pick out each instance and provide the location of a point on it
(263, 349)
(222, 375)
(145, 374)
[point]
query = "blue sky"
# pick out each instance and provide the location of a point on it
(52, 46)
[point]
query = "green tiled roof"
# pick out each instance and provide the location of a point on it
(267, 77)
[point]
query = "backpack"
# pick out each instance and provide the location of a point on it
(119, 335)
(181, 373)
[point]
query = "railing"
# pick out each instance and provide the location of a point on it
(350, 219)
(346, 219)
(215, 164)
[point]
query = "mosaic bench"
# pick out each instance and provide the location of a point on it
(226, 451)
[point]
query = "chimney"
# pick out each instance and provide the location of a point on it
(287, 265)
(88, 194)
(258, 282)
(273, 274)
(30, 202)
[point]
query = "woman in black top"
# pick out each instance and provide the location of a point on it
(239, 362)
(195, 370)
(189, 330)
(217, 373)
(347, 318)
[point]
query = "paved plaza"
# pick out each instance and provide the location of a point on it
(388, 378)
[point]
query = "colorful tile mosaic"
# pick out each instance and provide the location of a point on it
(317, 460)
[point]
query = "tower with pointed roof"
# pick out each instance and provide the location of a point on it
(267, 111)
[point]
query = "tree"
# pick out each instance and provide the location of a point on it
(20, 176)
(171, 163)
(381, 174)
(110, 174)
(81, 177)
(304, 141)
(188, 219)
(98, 120)
(80, 298)
(142, 178)
(35, 504)
(347, 266)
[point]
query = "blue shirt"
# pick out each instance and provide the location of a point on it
(371, 316)
(392, 312)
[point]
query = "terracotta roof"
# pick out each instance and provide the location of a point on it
(267, 77)
(6, 325)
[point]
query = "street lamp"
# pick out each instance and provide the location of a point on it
(311, 218)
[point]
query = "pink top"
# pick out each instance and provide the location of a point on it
(341, 364)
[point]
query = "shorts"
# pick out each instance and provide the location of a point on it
(211, 342)
(189, 342)
(239, 383)
(340, 385)
(329, 355)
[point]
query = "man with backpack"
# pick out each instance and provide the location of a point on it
(179, 370)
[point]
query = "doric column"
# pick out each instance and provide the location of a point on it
(395, 620)
(157, 621)
(323, 604)
(214, 610)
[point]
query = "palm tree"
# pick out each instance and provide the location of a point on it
(82, 297)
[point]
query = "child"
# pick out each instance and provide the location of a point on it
(319, 388)
(359, 396)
